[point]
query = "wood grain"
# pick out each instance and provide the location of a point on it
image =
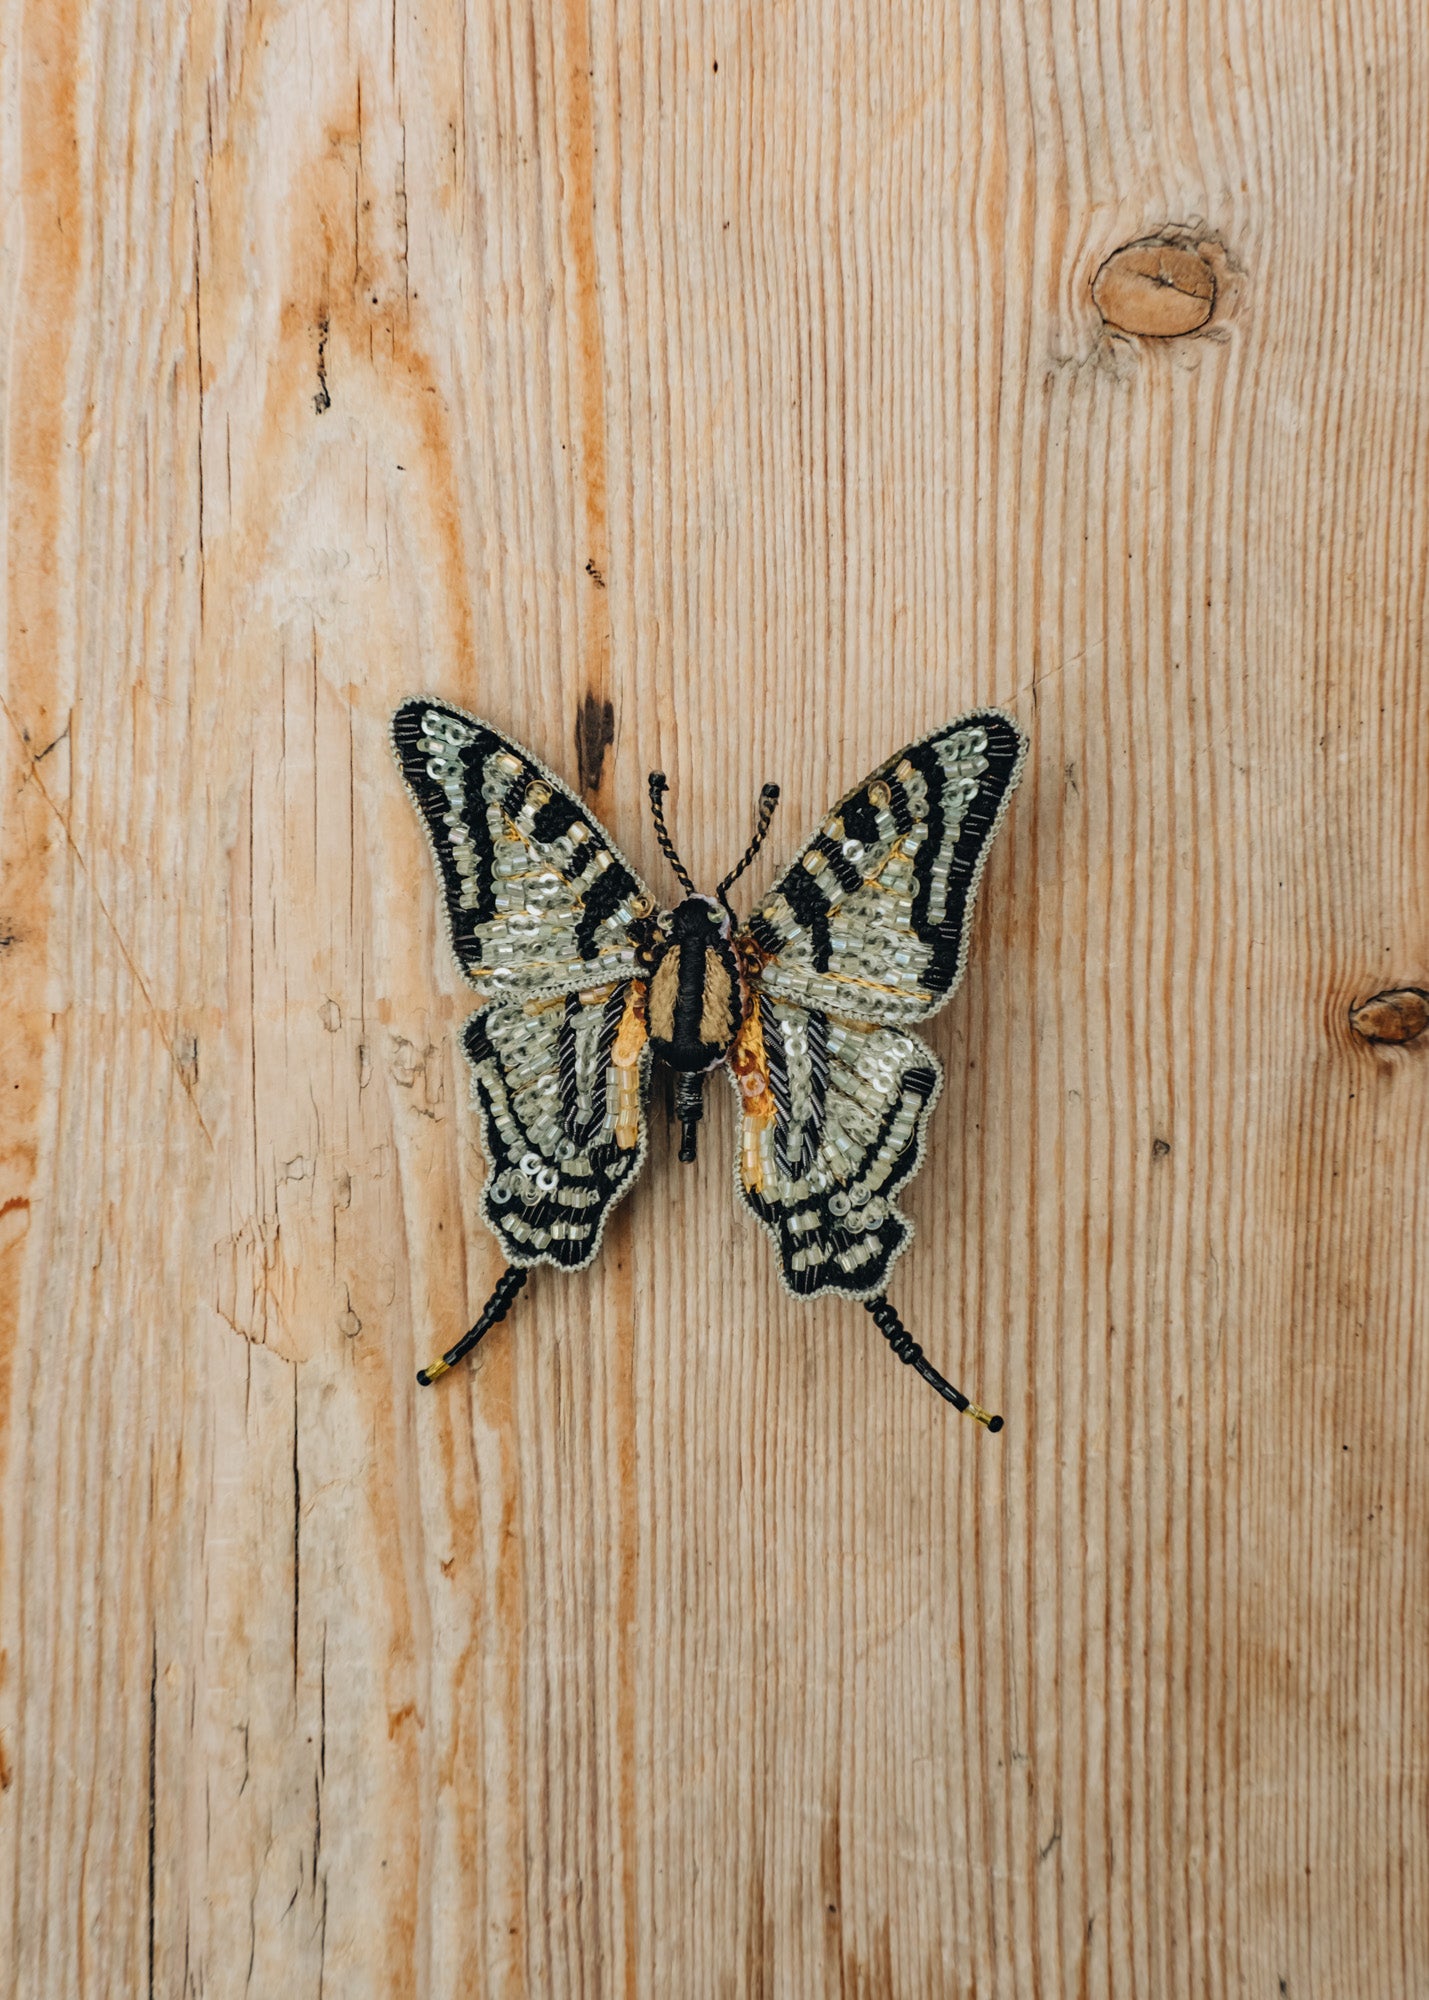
(738, 368)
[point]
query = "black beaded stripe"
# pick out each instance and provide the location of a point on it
(811, 909)
(973, 830)
(513, 799)
(860, 818)
(899, 809)
(599, 901)
(556, 817)
(840, 867)
(769, 940)
(804, 896)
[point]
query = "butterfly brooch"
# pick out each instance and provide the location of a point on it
(808, 1007)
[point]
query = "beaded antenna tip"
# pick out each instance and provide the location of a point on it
(496, 1308)
(885, 1318)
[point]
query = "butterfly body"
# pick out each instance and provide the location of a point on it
(808, 1007)
(696, 998)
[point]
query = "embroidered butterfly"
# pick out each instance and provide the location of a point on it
(808, 1007)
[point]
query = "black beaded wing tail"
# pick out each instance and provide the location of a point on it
(886, 1319)
(496, 1308)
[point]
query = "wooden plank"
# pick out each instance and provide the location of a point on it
(739, 369)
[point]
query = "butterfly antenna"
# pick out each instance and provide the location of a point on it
(768, 799)
(496, 1308)
(907, 1349)
(659, 785)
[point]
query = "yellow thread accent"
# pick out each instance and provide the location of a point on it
(434, 1369)
(715, 1008)
(978, 1416)
(664, 990)
(627, 1111)
(750, 1063)
(630, 1038)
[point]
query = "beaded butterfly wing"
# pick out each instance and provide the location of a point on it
(808, 1007)
(865, 934)
(546, 921)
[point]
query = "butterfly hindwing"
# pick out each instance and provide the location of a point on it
(538, 899)
(871, 920)
(834, 1113)
(560, 1086)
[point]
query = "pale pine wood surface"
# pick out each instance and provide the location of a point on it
(738, 367)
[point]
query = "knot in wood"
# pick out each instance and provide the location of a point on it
(1392, 1017)
(1155, 289)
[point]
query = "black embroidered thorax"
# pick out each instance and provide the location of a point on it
(696, 995)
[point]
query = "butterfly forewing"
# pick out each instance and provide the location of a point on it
(538, 899)
(871, 920)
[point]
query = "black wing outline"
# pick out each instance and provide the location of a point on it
(539, 900)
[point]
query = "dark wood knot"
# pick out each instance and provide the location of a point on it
(1392, 1017)
(1156, 289)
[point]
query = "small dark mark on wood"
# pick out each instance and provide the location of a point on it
(595, 732)
(322, 401)
(1160, 1148)
(594, 574)
(1396, 1016)
(1052, 1839)
(53, 744)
